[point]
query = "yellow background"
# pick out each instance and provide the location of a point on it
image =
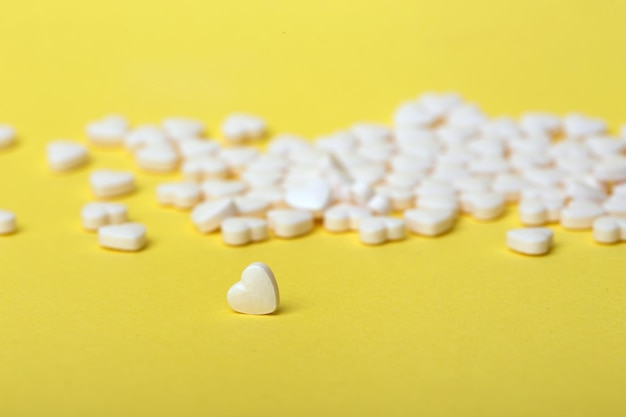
(456, 326)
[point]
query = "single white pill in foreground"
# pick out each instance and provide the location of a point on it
(209, 215)
(96, 215)
(290, 223)
(106, 183)
(64, 155)
(530, 241)
(237, 231)
(256, 292)
(7, 222)
(124, 237)
(606, 230)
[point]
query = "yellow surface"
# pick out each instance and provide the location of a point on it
(456, 326)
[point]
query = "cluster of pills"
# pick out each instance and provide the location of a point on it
(441, 158)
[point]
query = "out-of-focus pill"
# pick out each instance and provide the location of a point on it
(577, 125)
(485, 206)
(180, 128)
(237, 231)
(616, 205)
(429, 222)
(606, 230)
(145, 135)
(123, 237)
(208, 216)
(242, 127)
(198, 148)
(204, 168)
(533, 213)
(182, 195)
(252, 206)
(108, 131)
(65, 155)
(530, 241)
(377, 230)
(580, 214)
(214, 189)
(7, 136)
(290, 223)
(315, 196)
(96, 215)
(107, 183)
(7, 222)
(157, 158)
(344, 217)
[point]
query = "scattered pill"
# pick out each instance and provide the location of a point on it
(243, 127)
(580, 214)
(157, 158)
(290, 223)
(237, 231)
(429, 222)
(182, 195)
(344, 217)
(256, 292)
(108, 131)
(180, 128)
(96, 215)
(209, 215)
(606, 230)
(65, 155)
(7, 222)
(380, 229)
(123, 237)
(315, 196)
(7, 136)
(530, 241)
(533, 213)
(107, 184)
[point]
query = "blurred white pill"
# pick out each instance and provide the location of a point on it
(64, 155)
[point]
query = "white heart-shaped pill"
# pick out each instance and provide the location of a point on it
(7, 222)
(65, 155)
(96, 215)
(256, 292)
(212, 189)
(376, 230)
(315, 196)
(209, 215)
(157, 158)
(530, 241)
(606, 230)
(180, 128)
(146, 135)
(344, 217)
(429, 222)
(123, 237)
(580, 214)
(237, 231)
(106, 183)
(109, 131)
(290, 223)
(182, 195)
(241, 127)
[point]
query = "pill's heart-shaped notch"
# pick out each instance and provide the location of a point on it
(256, 292)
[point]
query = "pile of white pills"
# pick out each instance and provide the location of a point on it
(441, 158)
